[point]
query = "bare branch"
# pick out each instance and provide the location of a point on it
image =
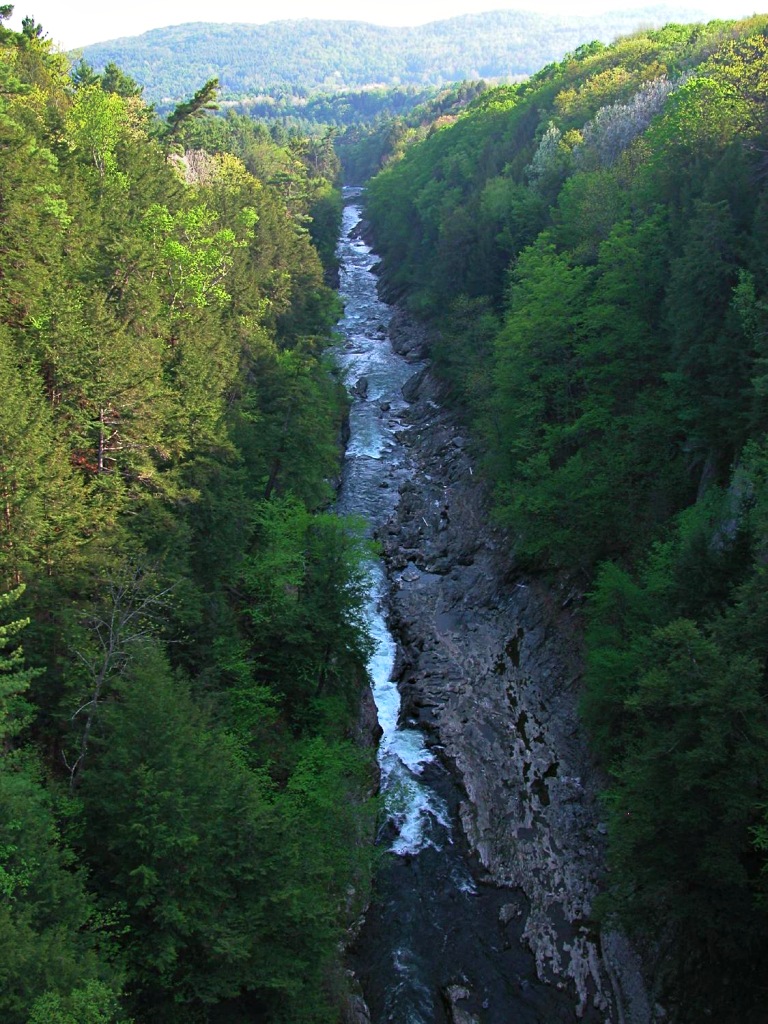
(130, 620)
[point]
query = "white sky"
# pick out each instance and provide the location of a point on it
(73, 23)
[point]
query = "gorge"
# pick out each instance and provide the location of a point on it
(551, 553)
(495, 845)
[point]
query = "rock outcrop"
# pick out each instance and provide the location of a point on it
(490, 665)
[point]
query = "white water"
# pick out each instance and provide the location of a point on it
(413, 810)
(430, 924)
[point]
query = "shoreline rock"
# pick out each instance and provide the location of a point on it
(489, 664)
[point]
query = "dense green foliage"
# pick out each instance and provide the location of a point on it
(182, 822)
(342, 135)
(331, 56)
(304, 171)
(337, 109)
(368, 126)
(597, 238)
(367, 147)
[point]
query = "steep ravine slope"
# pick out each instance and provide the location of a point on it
(490, 664)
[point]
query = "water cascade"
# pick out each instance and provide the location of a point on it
(436, 934)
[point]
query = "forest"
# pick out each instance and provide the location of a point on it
(301, 58)
(588, 248)
(184, 812)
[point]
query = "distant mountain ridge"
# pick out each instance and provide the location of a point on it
(311, 55)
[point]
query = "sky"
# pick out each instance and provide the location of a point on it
(73, 23)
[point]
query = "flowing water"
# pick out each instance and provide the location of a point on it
(432, 924)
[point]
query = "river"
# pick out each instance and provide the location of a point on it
(436, 934)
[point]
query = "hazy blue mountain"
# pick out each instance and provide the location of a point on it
(308, 55)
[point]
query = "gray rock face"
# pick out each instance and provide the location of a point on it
(408, 338)
(454, 995)
(354, 1009)
(490, 663)
(412, 386)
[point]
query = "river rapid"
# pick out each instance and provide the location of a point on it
(440, 944)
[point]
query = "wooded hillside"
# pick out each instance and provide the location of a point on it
(589, 247)
(181, 641)
(300, 57)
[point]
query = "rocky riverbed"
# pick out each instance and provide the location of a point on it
(489, 664)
